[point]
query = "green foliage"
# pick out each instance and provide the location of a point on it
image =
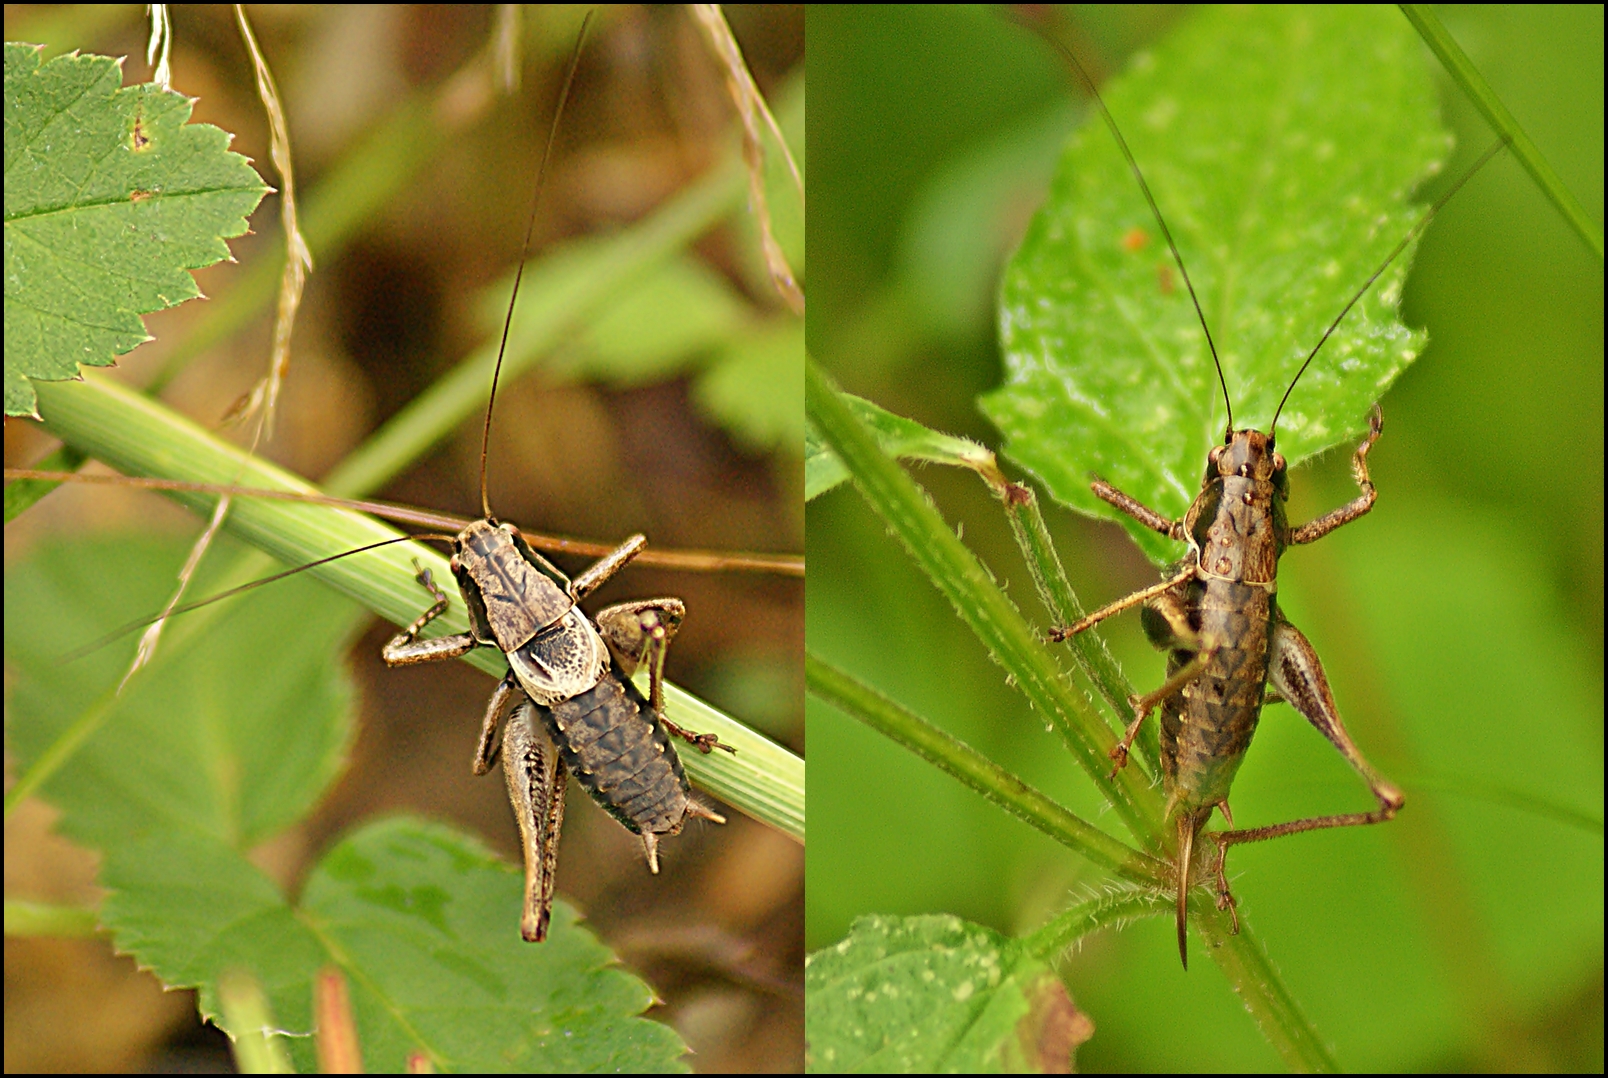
(898, 437)
(754, 386)
(924, 995)
(677, 317)
(414, 915)
(111, 196)
(175, 794)
(1399, 942)
(1284, 177)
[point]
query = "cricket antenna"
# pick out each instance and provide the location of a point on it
(1155, 211)
(524, 253)
(1412, 233)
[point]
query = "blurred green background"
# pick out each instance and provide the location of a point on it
(1461, 624)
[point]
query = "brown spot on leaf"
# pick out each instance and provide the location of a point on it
(1052, 1029)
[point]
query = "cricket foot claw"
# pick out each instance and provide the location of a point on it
(1119, 754)
(1225, 901)
(705, 743)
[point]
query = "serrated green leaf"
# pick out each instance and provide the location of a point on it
(1285, 173)
(235, 733)
(935, 994)
(203, 758)
(111, 196)
(414, 915)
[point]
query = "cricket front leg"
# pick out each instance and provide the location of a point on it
(1297, 675)
(595, 575)
(1150, 519)
(406, 649)
(1173, 529)
(640, 632)
(536, 776)
(1328, 522)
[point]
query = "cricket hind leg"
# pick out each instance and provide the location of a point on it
(536, 774)
(1297, 676)
(640, 632)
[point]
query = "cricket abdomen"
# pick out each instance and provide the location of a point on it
(1208, 724)
(613, 745)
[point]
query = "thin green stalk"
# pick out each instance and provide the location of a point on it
(1265, 995)
(858, 700)
(1107, 911)
(907, 511)
(1468, 77)
(956, 572)
(551, 311)
(137, 435)
(1088, 648)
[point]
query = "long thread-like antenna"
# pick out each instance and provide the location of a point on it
(530, 230)
(1155, 211)
(1412, 233)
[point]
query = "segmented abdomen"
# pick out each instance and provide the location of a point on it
(1207, 725)
(623, 757)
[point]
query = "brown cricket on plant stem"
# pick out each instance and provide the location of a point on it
(1216, 613)
(567, 703)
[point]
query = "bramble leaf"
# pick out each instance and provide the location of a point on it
(111, 196)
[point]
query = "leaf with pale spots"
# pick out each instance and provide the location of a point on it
(1285, 173)
(917, 995)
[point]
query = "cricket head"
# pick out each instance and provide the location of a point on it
(1246, 454)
